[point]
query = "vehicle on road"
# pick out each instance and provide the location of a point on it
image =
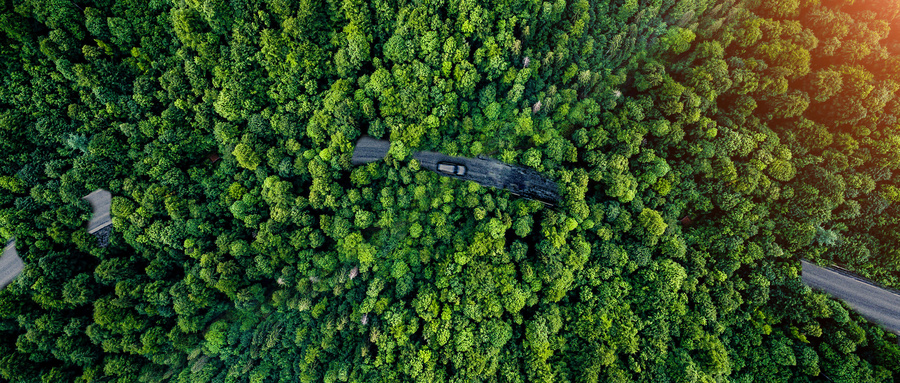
(483, 170)
(451, 168)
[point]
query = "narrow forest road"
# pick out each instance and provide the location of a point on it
(485, 171)
(100, 200)
(875, 303)
(10, 264)
(369, 149)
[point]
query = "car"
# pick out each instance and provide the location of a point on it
(452, 169)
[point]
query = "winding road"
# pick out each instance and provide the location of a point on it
(11, 264)
(875, 303)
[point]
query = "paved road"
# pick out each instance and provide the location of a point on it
(10, 264)
(876, 304)
(100, 200)
(487, 172)
(490, 173)
(369, 149)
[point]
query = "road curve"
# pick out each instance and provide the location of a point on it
(875, 303)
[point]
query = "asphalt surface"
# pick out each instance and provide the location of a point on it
(100, 200)
(490, 173)
(369, 149)
(485, 171)
(875, 303)
(10, 264)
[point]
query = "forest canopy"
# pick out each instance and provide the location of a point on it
(702, 148)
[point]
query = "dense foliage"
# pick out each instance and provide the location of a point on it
(702, 148)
